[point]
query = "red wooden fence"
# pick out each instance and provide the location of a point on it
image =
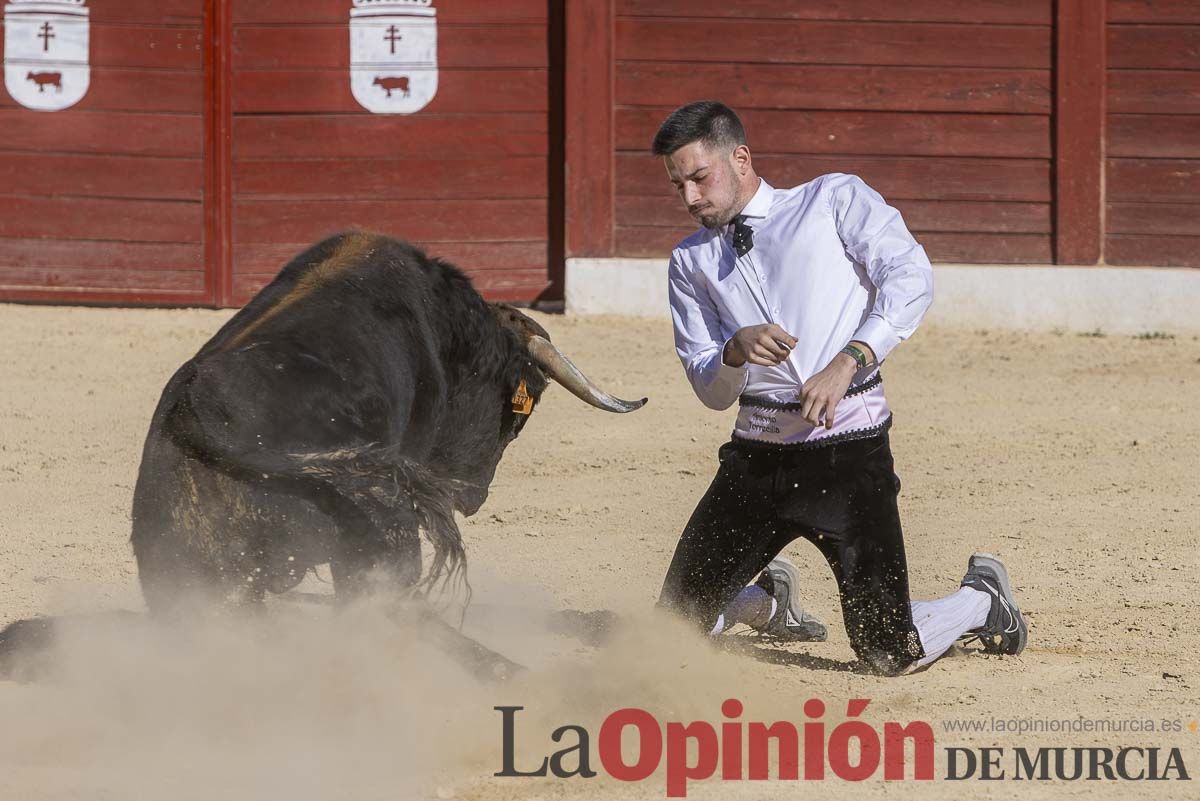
(947, 113)
(103, 201)
(220, 137)
(1153, 158)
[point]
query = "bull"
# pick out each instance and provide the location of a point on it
(44, 79)
(358, 402)
(392, 82)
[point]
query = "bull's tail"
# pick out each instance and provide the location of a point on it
(400, 498)
(387, 486)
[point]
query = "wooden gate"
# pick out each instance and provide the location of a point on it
(104, 201)
(219, 138)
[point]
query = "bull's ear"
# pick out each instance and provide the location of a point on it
(511, 318)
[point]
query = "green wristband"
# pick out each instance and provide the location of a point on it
(856, 353)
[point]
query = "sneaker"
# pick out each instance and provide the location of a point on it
(781, 580)
(1005, 631)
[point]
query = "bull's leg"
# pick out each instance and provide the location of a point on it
(363, 565)
(482, 662)
(367, 559)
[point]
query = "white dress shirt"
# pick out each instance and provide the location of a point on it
(831, 263)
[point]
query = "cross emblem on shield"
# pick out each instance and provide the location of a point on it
(393, 55)
(46, 53)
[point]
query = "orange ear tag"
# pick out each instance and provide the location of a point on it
(522, 403)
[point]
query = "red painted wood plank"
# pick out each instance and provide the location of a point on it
(1160, 12)
(1171, 219)
(42, 254)
(448, 11)
(523, 286)
(938, 216)
(389, 179)
(102, 176)
(187, 13)
(93, 218)
(747, 86)
(115, 132)
(865, 133)
(481, 257)
(1155, 251)
(126, 280)
(1026, 180)
(146, 46)
(987, 248)
(1153, 92)
(268, 259)
(328, 46)
(1153, 136)
(1164, 47)
(115, 89)
(823, 43)
(1153, 180)
(97, 297)
(590, 186)
(1079, 133)
(389, 136)
(416, 220)
(1024, 12)
(218, 183)
(313, 91)
(979, 248)
(927, 215)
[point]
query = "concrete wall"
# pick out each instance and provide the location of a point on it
(1112, 299)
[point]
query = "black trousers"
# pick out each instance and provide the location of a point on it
(842, 498)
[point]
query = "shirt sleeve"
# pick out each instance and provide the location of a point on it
(875, 236)
(699, 341)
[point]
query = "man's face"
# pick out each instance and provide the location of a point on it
(707, 181)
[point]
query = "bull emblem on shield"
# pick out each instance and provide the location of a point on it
(393, 55)
(46, 53)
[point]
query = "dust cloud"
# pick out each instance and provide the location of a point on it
(305, 701)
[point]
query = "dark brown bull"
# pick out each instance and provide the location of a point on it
(356, 403)
(44, 79)
(390, 83)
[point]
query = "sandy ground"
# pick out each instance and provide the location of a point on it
(1074, 458)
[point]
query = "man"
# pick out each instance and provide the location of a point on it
(786, 301)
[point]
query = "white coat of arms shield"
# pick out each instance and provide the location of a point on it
(393, 55)
(46, 53)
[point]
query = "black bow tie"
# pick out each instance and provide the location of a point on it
(743, 235)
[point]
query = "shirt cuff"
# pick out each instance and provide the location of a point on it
(729, 375)
(879, 335)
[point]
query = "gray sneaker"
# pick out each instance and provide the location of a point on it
(790, 623)
(1005, 631)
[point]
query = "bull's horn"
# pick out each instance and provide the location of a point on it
(561, 369)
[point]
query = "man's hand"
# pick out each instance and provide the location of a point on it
(821, 394)
(765, 345)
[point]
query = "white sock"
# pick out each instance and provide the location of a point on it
(943, 621)
(747, 608)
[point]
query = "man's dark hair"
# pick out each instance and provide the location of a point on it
(705, 121)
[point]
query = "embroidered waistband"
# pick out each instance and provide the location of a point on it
(762, 402)
(813, 444)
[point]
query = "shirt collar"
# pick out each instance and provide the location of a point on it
(760, 204)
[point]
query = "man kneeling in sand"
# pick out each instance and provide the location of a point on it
(786, 301)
